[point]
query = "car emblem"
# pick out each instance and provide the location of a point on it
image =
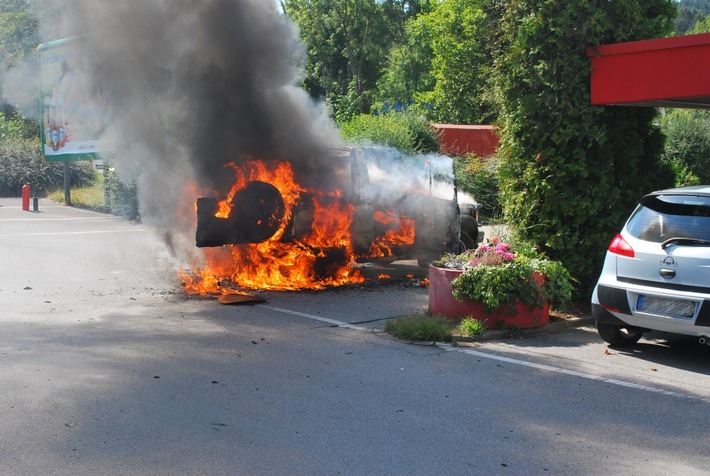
(668, 261)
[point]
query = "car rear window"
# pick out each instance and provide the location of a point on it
(661, 217)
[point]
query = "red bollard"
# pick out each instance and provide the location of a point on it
(26, 197)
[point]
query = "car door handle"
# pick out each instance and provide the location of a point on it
(667, 273)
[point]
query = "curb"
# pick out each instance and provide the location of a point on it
(551, 328)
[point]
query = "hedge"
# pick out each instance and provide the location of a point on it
(21, 162)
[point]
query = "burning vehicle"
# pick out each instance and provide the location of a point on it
(181, 118)
(372, 205)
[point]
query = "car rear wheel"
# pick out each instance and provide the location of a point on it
(466, 242)
(618, 335)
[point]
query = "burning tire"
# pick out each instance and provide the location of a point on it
(256, 214)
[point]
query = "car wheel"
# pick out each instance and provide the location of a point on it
(469, 225)
(465, 243)
(618, 335)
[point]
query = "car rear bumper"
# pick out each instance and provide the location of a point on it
(602, 315)
(612, 305)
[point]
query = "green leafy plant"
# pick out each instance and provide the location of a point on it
(471, 327)
(498, 274)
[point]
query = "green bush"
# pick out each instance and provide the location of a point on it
(683, 175)
(405, 131)
(687, 146)
(479, 178)
(572, 172)
(123, 197)
(21, 162)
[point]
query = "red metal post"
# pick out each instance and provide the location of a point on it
(26, 197)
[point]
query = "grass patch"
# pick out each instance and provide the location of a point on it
(84, 197)
(428, 328)
(424, 328)
(122, 197)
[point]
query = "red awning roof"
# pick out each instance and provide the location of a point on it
(663, 72)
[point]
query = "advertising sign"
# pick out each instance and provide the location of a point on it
(72, 108)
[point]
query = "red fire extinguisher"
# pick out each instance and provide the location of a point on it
(26, 196)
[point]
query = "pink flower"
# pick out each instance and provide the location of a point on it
(492, 253)
(502, 248)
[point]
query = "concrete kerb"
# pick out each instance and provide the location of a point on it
(490, 335)
(551, 328)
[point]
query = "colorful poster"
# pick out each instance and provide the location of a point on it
(72, 108)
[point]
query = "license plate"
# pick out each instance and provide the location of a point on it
(665, 307)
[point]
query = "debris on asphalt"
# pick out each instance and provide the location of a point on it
(228, 299)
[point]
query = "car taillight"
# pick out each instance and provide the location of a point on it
(619, 246)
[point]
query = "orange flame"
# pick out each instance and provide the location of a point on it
(322, 258)
(403, 234)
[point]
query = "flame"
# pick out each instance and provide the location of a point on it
(320, 259)
(401, 231)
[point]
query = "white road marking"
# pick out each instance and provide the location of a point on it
(317, 318)
(73, 233)
(58, 219)
(509, 360)
(574, 373)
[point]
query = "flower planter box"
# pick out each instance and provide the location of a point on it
(442, 303)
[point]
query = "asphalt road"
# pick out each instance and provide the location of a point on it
(107, 368)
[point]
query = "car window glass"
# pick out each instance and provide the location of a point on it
(659, 218)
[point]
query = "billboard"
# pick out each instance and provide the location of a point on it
(72, 107)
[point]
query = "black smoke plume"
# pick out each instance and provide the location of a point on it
(194, 85)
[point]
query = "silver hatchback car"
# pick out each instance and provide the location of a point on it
(656, 275)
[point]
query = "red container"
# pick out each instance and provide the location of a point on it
(442, 303)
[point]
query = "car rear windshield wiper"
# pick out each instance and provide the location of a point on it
(684, 242)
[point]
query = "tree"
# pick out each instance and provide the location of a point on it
(408, 71)
(687, 147)
(444, 63)
(690, 12)
(346, 42)
(572, 172)
(702, 25)
(460, 63)
(19, 36)
(19, 30)
(14, 128)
